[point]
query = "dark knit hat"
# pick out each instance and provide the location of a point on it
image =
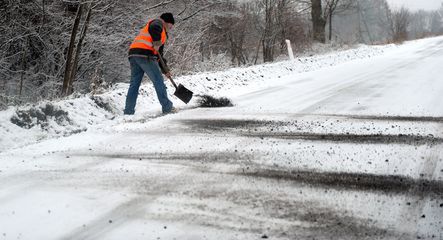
(168, 17)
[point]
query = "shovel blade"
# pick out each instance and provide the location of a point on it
(183, 93)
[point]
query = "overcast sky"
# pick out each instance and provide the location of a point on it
(417, 4)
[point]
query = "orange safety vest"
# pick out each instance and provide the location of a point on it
(144, 39)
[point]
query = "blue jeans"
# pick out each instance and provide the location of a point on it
(139, 66)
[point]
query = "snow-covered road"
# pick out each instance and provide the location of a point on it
(352, 151)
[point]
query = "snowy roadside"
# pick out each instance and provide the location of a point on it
(352, 151)
(21, 126)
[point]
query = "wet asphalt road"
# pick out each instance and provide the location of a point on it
(281, 164)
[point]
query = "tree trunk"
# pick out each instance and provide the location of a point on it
(22, 75)
(268, 33)
(330, 27)
(233, 48)
(78, 50)
(267, 52)
(43, 13)
(257, 50)
(318, 22)
(68, 66)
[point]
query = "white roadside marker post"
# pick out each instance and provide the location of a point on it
(291, 54)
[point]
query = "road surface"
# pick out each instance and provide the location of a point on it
(353, 151)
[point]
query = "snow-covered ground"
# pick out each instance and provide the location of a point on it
(53, 119)
(346, 145)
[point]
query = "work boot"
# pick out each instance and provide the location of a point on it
(173, 110)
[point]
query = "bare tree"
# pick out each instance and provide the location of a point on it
(322, 12)
(269, 31)
(277, 21)
(334, 7)
(30, 49)
(44, 46)
(374, 21)
(419, 26)
(69, 59)
(318, 21)
(436, 23)
(78, 50)
(400, 23)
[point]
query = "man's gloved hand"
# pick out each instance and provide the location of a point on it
(168, 75)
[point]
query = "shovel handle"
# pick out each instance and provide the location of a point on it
(173, 83)
(164, 65)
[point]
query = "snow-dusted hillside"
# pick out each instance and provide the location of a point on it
(29, 124)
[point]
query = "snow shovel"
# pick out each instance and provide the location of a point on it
(181, 92)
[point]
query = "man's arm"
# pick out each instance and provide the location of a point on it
(155, 30)
(164, 67)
